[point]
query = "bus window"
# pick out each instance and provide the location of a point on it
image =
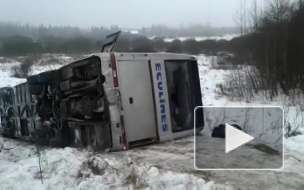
(180, 91)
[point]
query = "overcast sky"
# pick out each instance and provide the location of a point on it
(124, 13)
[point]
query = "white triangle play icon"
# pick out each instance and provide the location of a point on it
(235, 138)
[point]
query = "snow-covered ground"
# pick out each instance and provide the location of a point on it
(161, 166)
(70, 168)
(293, 146)
(202, 38)
(5, 76)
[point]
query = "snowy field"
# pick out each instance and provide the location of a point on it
(163, 166)
(202, 38)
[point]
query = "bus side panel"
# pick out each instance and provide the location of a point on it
(161, 100)
(137, 100)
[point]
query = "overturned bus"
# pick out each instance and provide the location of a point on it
(108, 101)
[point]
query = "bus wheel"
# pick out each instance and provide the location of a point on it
(56, 142)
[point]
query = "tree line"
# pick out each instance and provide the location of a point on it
(21, 45)
(25, 39)
(96, 33)
(275, 42)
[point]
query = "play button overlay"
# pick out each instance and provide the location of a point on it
(239, 138)
(235, 138)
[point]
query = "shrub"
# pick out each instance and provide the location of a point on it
(23, 70)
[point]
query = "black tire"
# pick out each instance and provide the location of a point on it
(56, 142)
(41, 132)
(42, 141)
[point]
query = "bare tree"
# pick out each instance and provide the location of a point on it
(241, 18)
(254, 17)
(244, 16)
(279, 10)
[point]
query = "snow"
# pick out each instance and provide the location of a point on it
(134, 31)
(264, 124)
(210, 154)
(294, 113)
(70, 168)
(202, 38)
(5, 76)
(131, 31)
(161, 166)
